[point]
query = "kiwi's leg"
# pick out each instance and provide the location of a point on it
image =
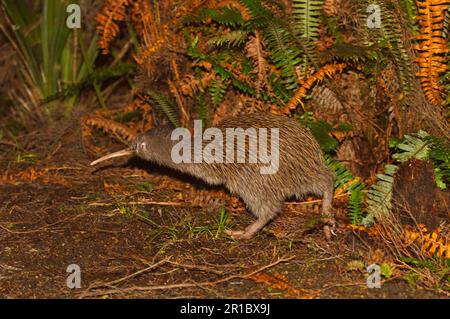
(327, 214)
(265, 211)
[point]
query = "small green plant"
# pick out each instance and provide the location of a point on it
(27, 158)
(221, 222)
(386, 270)
(145, 187)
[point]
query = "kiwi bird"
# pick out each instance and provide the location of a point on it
(300, 170)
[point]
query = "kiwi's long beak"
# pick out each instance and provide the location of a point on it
(125, 152)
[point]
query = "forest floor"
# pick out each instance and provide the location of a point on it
(135, 233)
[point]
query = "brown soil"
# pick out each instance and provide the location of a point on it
(67, 213)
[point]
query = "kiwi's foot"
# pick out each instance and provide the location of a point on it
(249, 232)
(238, 234)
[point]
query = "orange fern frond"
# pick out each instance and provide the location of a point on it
(191, 85)
(256, 52)
(331, 7)
(149, 51)
(175, 70)
(431, 244)
(119, 130)
(432, 47)
(113, 11)
(327, 70)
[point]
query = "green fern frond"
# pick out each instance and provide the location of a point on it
(392, 30)
(230, 39)
(379, 197)
(344, 176)
(241, 85)
(417, 145)
(322, 131)
(281, 94)
(224, 16)
(348, 53)
(307, 17)
(440, 157)
(310, 57)
(355, 206)
(390, 39)
(283, 54)
(217, 91)
(166, 106)
(354, 186)
(255, 8)
(410, 8)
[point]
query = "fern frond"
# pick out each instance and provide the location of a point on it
(226, 16)
(113, 11)
(327, 70)
(432, 244)
(350, 184)
(416, 146)
(217, 91)
(255, 8)
(388, 36)
(255, 51)
(446, 28)
(109, 126)
(279, 90)
(410, 8)
(347, 53)
(166, 106)
(284, 55)
(432, 48)
(190, 85)
(392, 30)
(344, 178)
(331, 7)
(440, 157)
(355, 206)
(379, 197)
(307, 14)
(231, 39)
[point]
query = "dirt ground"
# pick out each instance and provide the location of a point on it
(135, 232)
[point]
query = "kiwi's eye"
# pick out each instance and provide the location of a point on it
(142, 146)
